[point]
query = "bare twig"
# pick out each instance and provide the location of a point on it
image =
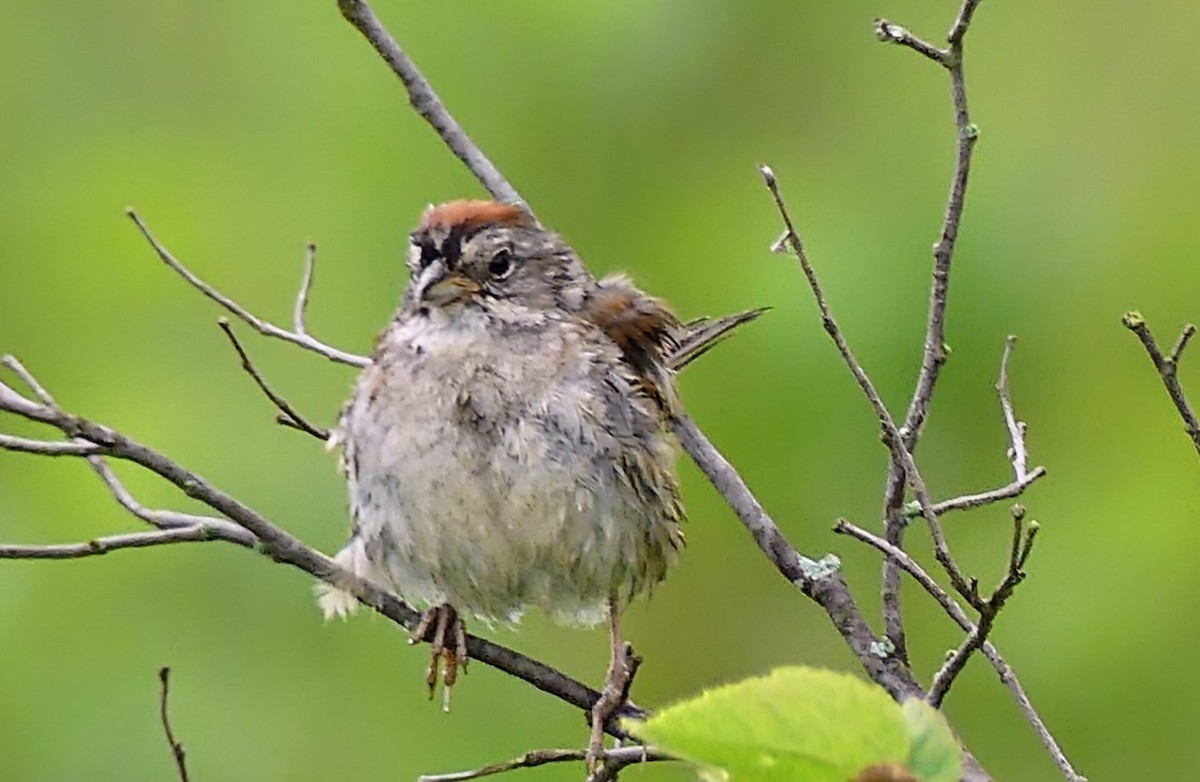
(894, 33)
(617, 758)
(1167, 366)
(261, 326)
(10, 442)
(426, 102)
(1016, 429)
(1018, 453)
(299, 315)
(18, 369)
(164, 519)
(177, 752)
(289, 416)
(97, 546)
(1022, 546)
(968, 501)
(934, 353)
(256, 531)
(1007, 676)
(892, 437)
(820, 579)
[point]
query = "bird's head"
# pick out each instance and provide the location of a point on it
(464, 253)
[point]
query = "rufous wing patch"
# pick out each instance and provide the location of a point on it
(642, 326)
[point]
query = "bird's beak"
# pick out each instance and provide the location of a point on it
(438, 286)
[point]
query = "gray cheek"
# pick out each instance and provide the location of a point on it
(572, 297)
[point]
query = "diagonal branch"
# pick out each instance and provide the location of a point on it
(1167, 366)
(818, 579)
(426, 102)
(288, 415)
(1018, 453)
(1007, 676)
(249, 528)
(263, 327)
(891, 436)
(1022, 546)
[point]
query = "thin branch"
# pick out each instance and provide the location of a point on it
(968, 501)
(164, 519)
(1016, 429)
(1166, 366)
(1185, 337)
(293, 419)
(1022, 546)
(177, 751)
(891, 436)
(261, 326)
(934, 353)
(1007, 676)
(1018, 453)
(286, 548)
(820, 579)
(300, 313)
(18, 369)
(199, 533)
(616, 758)
(10, 442)
(894, 33)
(426, 102)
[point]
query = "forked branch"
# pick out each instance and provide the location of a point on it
(1167, 367)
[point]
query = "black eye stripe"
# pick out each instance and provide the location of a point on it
(429, 253)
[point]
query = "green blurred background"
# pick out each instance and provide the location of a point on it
(242, 129)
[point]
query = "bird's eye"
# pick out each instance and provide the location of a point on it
(501, 265)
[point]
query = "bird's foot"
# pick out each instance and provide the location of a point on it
(447, 635)
(615, 693)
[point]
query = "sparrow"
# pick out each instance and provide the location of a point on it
(510, 444)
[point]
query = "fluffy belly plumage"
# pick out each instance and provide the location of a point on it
(460, 495)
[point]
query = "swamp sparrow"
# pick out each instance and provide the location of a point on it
(510, 444)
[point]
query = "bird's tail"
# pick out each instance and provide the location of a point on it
(697, 337)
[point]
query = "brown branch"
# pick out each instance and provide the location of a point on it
(263, 327)
(289, 416)
(256, 531)
(426, 102)
(177, 752)
(1007, 676)
(1167, 366)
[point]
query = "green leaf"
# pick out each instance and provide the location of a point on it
(935, 755)
(795, 724)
